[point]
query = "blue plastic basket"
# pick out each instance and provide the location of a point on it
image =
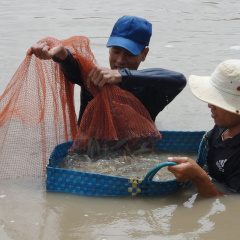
(76, 182)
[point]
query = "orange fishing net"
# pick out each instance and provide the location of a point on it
(37, 112)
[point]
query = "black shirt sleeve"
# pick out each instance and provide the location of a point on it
(159, 78)
(154, 87)
(70, 68)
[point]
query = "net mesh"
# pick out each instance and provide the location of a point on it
(37, 112)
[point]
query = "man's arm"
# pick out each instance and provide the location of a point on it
(70, 68)
(154, 87)
(188, 170)
(158, 78)
(60, 54)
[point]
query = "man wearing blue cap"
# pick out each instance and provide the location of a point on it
(128, 47)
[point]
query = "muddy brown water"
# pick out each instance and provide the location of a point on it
(188, 36)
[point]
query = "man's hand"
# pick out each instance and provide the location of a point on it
(43, 51)
(188, 170)
(99, 76)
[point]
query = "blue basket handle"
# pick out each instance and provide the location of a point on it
(149, 176)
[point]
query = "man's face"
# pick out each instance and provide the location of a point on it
(223, 118)
(120, 58)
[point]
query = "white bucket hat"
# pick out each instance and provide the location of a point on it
(222, 88)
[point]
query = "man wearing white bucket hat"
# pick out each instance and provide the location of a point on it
(221, 91)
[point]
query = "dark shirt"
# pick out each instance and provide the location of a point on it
(155, 88)
(223, 158)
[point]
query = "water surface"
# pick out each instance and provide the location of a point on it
(188, 36)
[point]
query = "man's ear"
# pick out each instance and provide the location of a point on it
(145, 53)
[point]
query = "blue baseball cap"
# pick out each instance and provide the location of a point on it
(132, 33)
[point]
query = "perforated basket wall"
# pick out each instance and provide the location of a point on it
(76, 182)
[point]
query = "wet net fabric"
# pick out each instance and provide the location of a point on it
(37, 112)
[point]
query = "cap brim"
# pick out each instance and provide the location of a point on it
(202, 88)
(131, 46)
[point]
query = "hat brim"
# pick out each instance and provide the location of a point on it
(131, 46)
(203, 89)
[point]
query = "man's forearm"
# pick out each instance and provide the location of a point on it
(62, 54)
(70, 68)
(205, 186)
(155, 77)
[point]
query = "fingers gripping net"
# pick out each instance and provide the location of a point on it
(37, 112)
